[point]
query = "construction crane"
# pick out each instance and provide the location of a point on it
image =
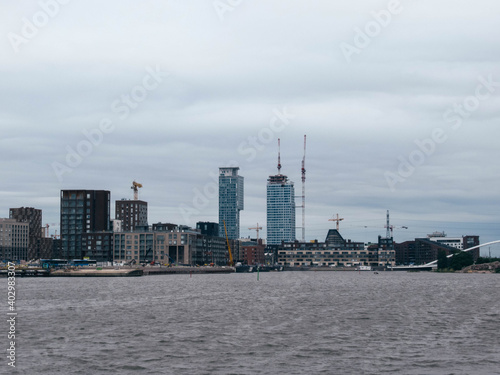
(135, 186)
(257, 228)
(45, 230)
(338, 220)
(303, 170)
(390, 228)
(231, 262)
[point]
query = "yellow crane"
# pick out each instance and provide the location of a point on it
(135, 186)
(231, 262)
(338, 220)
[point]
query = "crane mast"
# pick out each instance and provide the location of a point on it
(338, 220)
(304, 193)
(389, 229)
(257, 228)
(231, 262)
(135, 187)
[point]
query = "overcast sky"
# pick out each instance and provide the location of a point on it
(399, 100)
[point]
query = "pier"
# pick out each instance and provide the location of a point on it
(26, 272)
(95, 272)
(116, 272)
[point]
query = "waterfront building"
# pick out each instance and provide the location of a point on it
(460, 243)
(136, 247)
(44, 248)
(14, 240)
(56, 249)
(98, 246)
(33, 217)
(280, 210)
(210, 247)
(82, 211)
(425, 250)
(386, 255)
(208, 228)
(170, 244)
(405, 253)
(132, 213)
(163, 227)
(116, 225)
(231, 201)
(163, 247)
(253, 252)
(336, 252)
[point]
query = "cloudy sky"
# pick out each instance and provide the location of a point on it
(399, 100)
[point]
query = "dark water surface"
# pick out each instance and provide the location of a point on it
(285, 323)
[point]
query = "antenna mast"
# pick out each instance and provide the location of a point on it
(279, 157)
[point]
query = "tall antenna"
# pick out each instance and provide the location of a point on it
(279, 157)
(304, 193)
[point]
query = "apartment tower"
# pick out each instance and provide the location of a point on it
(82, 211)
(280, 210)
(230, 201)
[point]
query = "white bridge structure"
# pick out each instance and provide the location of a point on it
(433, 265)
(469, 249)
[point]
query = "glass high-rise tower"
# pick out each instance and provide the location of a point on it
(280, 210)
(230, 201)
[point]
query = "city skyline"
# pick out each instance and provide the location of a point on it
(398, 116)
